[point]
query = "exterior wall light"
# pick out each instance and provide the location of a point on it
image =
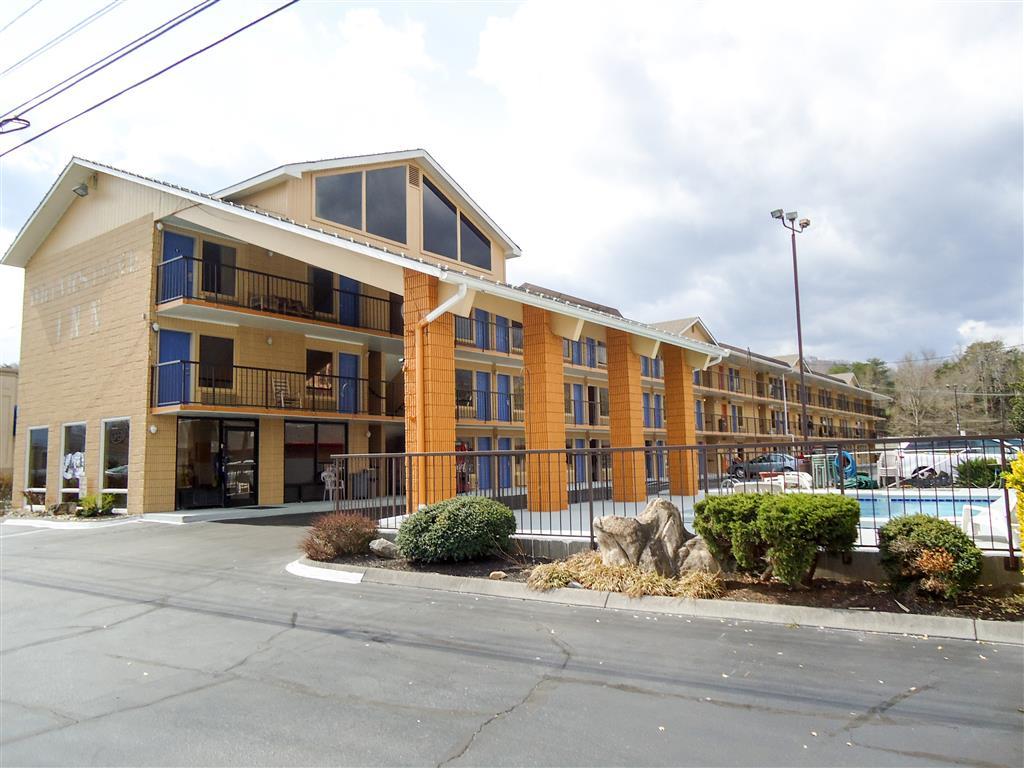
(155, 327)
(159, 226)
(270, 341)
(81, 190)
(152, 429)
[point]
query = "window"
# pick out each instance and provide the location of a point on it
(645, 365)
(308, 449)
(476, 249)
(216, 362)
(318, 369)
(72, 462)
(218, 268)
(385, 203)
(602, 401)
(647, 409)
(463, 387)
(339, 198)
(323, 290)
(439, 223)
(696, 376)
(657, 411)
(38, 440)
(115, 460)
(656, 367)
(698, 408)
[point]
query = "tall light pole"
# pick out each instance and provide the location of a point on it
(789, 222)
(956, 408)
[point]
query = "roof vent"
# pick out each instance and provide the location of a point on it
(414, 176)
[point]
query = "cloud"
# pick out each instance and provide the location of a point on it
(980, 330)
(632, 151)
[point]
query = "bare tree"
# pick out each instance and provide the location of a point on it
(919, 406)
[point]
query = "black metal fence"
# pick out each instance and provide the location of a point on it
(232, 286)
(195, 383)
(560, 492)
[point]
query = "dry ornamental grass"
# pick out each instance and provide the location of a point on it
(587, 570)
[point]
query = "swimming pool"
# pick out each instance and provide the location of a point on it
(876, 510)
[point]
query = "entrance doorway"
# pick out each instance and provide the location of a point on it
(216, 463)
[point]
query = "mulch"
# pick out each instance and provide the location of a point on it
(24, 515)
(998, 603)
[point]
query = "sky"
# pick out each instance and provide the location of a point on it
(633, 151)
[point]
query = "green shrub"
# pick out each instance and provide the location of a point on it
(729, 526)
(90, 506)
(462, 528)
(795, 527)
(978, 473)
(930, 553)
(338, 533)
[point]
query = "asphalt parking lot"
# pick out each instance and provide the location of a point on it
(148, 644)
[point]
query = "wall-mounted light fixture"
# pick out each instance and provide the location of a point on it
(81, 190)
(152, 429)
(159, 226)
(155, 327)
(270, 341)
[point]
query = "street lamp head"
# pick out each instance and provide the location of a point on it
(804, 224)
(777, 213)
(791, 216)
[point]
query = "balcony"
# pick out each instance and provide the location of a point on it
(187, 279)
(499, 335)
(192, 386)
(485, 405)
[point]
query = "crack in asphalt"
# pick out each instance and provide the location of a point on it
(880, 709)
(567, 652)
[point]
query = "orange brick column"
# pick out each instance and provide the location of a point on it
(680, 422)
(547, 488)
(438, 419)
(629, 475)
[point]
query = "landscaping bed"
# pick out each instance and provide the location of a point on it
(994, 603)
(59, 517)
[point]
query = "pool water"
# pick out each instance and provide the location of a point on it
(878, 509)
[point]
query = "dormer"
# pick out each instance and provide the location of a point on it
(402, 201)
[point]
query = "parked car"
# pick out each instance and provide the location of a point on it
(924, 457)
(767, 462)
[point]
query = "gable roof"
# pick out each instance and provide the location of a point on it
(570, 298)
(56, 202)
(419, 156)
(684, 324)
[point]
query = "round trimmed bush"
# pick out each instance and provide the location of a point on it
(796, 526)
(729, 526)
(929, 552)
(463, 528)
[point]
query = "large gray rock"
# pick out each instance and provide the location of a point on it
(621, 540)
(655, 540)
(695, 556)
(385, 549)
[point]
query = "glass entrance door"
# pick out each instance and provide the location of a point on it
(239, 465)
(216, 464)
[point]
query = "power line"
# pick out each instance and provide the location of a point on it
(110, 58)
(64, 35)
(150, 77)
(11, 22)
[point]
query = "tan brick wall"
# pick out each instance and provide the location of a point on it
(680, 421)
(547, 479)
(629, 474)
(438, 419)
(271, 460)
(86, 346)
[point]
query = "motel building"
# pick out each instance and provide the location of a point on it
(183, 350)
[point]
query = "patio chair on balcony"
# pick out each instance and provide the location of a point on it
(284, 397)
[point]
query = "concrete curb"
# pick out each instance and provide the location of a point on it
(65, 525)
(1008, 632)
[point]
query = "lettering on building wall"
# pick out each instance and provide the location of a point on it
(70, 324)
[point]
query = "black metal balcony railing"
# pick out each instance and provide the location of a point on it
(230, 286)
(239, 386)
(742, 386)
(585, 354)
(485, 405)
(501, 336)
